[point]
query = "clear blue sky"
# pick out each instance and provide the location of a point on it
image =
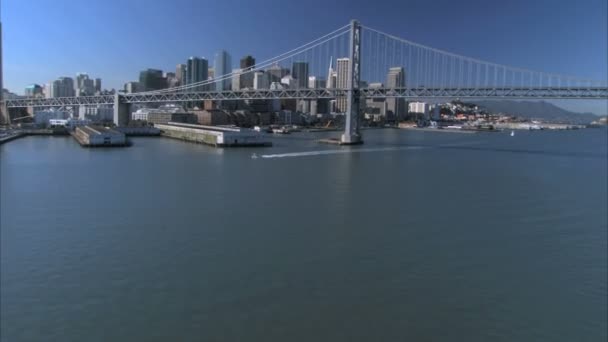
(115, 39)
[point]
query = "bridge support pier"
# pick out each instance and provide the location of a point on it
(5, 117)
(352, 135)
(122, 111)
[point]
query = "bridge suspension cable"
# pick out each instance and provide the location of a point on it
(429, 67)
(299, 51)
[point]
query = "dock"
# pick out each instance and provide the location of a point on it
(218, 136)
(99, 136)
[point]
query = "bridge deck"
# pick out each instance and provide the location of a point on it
(264, 94)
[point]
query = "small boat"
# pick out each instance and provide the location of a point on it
(254, 156)
(512, 133)
(282, 130)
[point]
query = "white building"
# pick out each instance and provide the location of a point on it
(261, 80)
(289, 81)
(43, 117)
(420, 108)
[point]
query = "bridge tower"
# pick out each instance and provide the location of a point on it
(351, 134)
(122, 111)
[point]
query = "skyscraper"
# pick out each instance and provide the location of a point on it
(197, 70)
(260, 80)
(246, 78)
(84, 85)
(236, 79)
(180, 73)
(33, 90)
(222, 66)
(299, 71)
(331, 75)
(152, 79)
(316, 82)
(97, 84)
(276, 73)
(61, 87)
(396, 79)
(247, 62)
(342, 65)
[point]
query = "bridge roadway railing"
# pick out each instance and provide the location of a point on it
(317, 93)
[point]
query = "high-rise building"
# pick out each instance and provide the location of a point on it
(132, 87)
(331, 75)
(236, 79)
(180, 73)
(97, 84)
(171, 79)
(61, 87)
(222, 66)
(260, 80)
(316, 82)
(84, 85)
(197, 70)
(247, 62)
(342, 65)
(33, 90)
(246, 78)
(299, 71)
(397, 106)
(276, 73)
(152, 79)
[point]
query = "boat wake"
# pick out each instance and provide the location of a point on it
(343, 151)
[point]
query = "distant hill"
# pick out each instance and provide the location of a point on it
(537, 110)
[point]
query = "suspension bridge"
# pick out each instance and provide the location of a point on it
(368, 64)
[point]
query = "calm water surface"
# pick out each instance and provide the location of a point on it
(413, 236)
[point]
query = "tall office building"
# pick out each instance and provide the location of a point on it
(84, 85)
(331, 75)
(260, 80)
(246, 78)
(61, 87)
(299, 71)
(236, 79)
(33, 90)
(342, 65)
(180, 73)
(97, 84)
(276, 72)
(396, 79)
(222, 66)
(247, 62)
(197, 70)
(316, 82)
(152, 79)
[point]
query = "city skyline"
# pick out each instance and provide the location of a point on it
(534, 53)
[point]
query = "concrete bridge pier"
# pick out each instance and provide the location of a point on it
(5, 118)
(122, 111)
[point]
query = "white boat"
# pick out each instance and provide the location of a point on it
(281, 130)
(254, 156)
(512, 133)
